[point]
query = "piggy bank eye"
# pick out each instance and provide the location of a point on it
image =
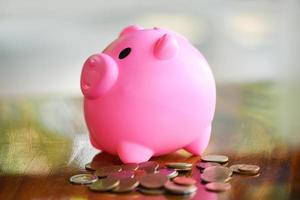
(124, 53)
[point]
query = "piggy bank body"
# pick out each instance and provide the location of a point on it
(149, 93)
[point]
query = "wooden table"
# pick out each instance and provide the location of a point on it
(44, 141)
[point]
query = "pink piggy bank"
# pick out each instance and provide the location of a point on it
(149, 93)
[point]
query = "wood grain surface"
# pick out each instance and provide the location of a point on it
(44, 141)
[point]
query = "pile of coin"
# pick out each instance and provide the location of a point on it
(152, 179)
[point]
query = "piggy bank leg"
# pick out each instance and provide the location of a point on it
(199, 145)
(134, 153)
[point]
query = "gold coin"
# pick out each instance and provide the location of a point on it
(126, 185)
(249, 169)
(179, 165)
(83, 179)
(104, 184)
(151, 191)
(107, 170)
(218, 186)
(215, 158)
(182, 180)
(216, 174)
(179, 189)
(153, 181)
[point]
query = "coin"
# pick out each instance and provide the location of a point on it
(122, 174)
(216, 174)
(179, 165)
(235, 168)
(218, 186)
(104, 184)
(150, 170)
(249, 169)
(183, 169)
(151, 191)
(215, 158)
(130, 166)
(89, 167)
(153, 181)
(139, 173)
(126, 185)
(179, 189)
(170, 173)
(148, 164)
(203, 165)
(83, 179)
(182, 180)
(107, 170)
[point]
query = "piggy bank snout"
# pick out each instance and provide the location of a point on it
(99, 74)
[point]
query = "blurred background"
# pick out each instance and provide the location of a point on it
(43, 44)
(252, 47)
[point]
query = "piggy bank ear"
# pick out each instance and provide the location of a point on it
(166, 47)
(130, 29)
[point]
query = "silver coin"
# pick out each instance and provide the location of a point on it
(139, 173)
(218, 187)
(203, 165)
(170, 173)
(179, 189)
(153, 181)
(248, 169)
(104, 184)
(235, 168)
(215, 158)
(122, 174)
(130, 166)
(179, 165)
(83, 179)
(126, 185)
(107, 170)
(148, 164)
(150, 170)
(216, 174)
